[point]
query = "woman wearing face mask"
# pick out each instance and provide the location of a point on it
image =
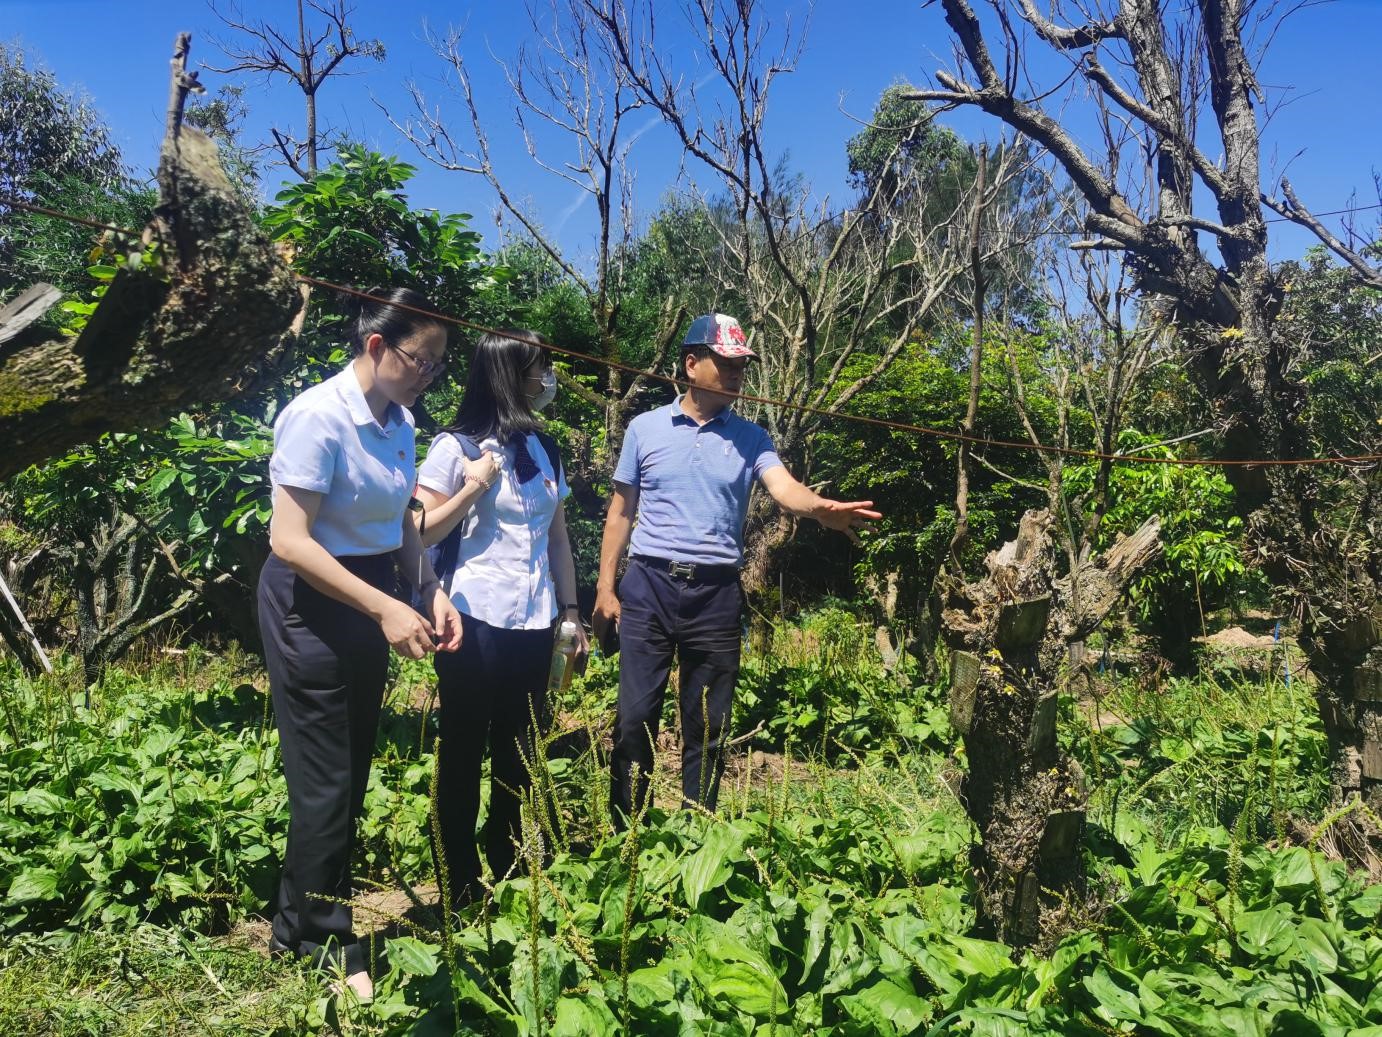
(513, 580)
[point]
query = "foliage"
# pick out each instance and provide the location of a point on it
(201, 483)
(158, 805)
(822, 692)
(110, 259)
(352, 224)
(193, 491)
(911, 477)
(149, 813)
(1226, 751)
(1336, 323)
(40, 248)
(839, 902)
(1202, 567)
(821, 900)
(899, 126)
(47, 131)
(56, 151)
(718, 931)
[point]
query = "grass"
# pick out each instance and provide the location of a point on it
(1197, 752)
(148, 980)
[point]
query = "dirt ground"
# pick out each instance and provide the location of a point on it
(1236, 639)
(380, 913)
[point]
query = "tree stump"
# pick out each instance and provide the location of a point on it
(1009, 633)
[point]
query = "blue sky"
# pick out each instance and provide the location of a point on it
(1324, 60)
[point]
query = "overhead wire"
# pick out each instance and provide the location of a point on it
(896, 426)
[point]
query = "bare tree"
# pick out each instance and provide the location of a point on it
(1100, 353)
(834, 298)
(566, 81)
(1163, 80)
(316, 54)
(1017, 634)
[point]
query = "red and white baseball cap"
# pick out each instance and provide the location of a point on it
(721, 333)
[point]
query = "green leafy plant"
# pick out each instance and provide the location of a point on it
(110, 260)
(161, 805)
(1202, 566)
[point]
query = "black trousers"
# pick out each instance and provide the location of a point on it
(328, 664)
(698, 621)
(490, 692)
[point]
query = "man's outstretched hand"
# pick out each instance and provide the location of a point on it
(847, 517)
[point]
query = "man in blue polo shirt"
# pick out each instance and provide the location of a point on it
(685, 473)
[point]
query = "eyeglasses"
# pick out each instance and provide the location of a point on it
(425, 368)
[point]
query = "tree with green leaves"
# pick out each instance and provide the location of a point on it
(47, 133)
(55, 151)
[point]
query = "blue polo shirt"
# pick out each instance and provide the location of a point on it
(693, 482)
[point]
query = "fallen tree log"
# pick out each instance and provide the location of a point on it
(204, 321)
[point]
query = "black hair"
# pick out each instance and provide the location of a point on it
(700, 352)
(383, 314)
(494, 403)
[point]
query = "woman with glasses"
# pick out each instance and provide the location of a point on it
(342, 472)
(514, 579)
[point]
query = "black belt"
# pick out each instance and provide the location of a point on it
(692, 572)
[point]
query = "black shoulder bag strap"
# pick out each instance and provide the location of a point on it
(446, 555)
(553, 453)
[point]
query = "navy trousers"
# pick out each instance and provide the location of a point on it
(327, 665)
(698, 621)
(491, 691)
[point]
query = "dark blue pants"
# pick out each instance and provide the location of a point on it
(490, 691)
(327, 665)
(661, 615)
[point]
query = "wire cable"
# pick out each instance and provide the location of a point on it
(896, 426)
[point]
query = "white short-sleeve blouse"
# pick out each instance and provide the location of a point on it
(327, 441)
(505, 576)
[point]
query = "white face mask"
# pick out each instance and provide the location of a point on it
(544, 398)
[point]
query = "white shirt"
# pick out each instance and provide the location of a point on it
(504, 576)
(327, 441)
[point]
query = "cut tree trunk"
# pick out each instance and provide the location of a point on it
(1009, 634)
(1341, 633)
(202, 323)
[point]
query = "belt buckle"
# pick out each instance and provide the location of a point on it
(686, 570)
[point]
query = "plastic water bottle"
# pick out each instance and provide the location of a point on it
(563, 659)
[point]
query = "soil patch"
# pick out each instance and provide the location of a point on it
(1238, 639)
(379, 914)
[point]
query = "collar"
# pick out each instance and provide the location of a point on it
(680, 415)
(353, 393)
